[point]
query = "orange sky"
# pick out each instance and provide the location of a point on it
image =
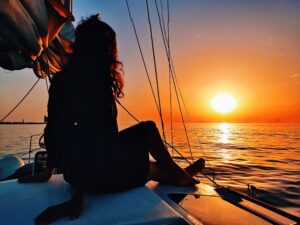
(249, 49)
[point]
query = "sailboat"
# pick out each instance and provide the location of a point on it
(153, 203)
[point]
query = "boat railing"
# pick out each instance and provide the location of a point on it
(31, 149)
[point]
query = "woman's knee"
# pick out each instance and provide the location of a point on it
(150, 128)
(149, 124)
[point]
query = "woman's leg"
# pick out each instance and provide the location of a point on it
(163, 175)
(165, 170)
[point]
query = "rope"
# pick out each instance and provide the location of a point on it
(137, 120)
(168, 7)
(142, 55)
(170, 75)
(175, 88)
(173, 76)
(175, 80)
(155, 69)
(183, 157)
(127, 111)
(11, 111)
(47, 86)
(189, 117)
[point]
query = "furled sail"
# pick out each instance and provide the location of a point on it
(35, 34)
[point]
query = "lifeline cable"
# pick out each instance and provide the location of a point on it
(142, 54)
(155, 70)
(11, 111)
(177, 97)
(137, 120)
(166, 38)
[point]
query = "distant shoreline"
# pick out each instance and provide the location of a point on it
(21, 123)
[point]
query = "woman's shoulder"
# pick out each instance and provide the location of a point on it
(60, 76)
(58, 82)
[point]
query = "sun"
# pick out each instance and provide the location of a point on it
(223, 103)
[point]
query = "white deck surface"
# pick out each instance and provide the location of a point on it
(21, 203)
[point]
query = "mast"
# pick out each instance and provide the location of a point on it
(68, 5)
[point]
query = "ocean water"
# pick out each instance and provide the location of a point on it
(264, 155)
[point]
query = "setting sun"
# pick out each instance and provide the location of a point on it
(223, 103)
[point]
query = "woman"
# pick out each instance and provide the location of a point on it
(82, 135)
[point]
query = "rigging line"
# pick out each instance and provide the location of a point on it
(182, 118)
(171, 109)
(11, 111)
(188, 114)
(163, 32)
(168, 24)
(167, 39)
(141, 53)
(155, 70)
(185, 107)
(225, 176)
(229, 178)
(137, 120)
(172, 147)
(162, 14)
(166, 143)
(170, 80)
(172, 68)
(47, 86)
(211, 180)
(174, 82)
(131, 19)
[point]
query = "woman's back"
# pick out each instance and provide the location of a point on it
(87, 127)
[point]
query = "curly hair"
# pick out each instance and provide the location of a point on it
(98, 39)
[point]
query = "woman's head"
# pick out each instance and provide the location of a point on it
(96, 40)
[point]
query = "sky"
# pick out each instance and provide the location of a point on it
(248, 49)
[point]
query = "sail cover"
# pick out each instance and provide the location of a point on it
(35, 34)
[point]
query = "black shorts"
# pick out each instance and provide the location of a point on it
(111, 171)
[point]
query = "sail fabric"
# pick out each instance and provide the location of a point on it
(31, 35)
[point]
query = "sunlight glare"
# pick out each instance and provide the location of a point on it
(223, 103)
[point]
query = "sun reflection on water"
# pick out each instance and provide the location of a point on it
(224, 133)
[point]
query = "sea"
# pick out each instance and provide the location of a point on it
(264, 155)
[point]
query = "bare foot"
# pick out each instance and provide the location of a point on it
(72, 208)
(186, 176)
(196, 167)
(185, 180)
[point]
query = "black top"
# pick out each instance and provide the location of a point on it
(81, 135)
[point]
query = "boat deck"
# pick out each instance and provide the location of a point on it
(21, 203)
(152, 204)
(215, 206)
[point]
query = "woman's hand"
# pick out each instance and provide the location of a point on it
(72, 208)
(39, 177)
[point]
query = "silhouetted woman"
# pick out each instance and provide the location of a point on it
(82, 136)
